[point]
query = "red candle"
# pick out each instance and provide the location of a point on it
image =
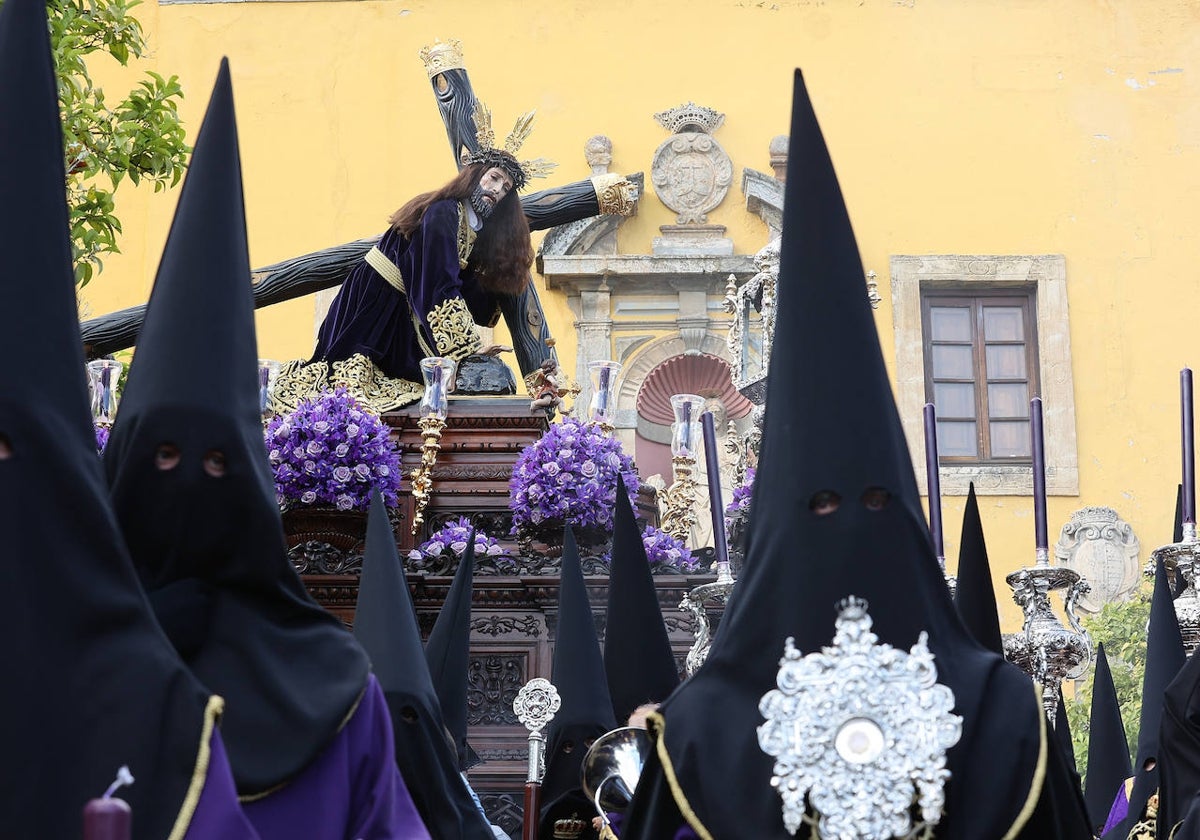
(107, 819)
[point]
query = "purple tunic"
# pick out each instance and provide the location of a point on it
(371, 317)
(218, 814)
(353, 790)
(1120, 807)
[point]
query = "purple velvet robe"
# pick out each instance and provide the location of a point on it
(1120, 807)
(353, 790)
(218, 813)
(371, 317)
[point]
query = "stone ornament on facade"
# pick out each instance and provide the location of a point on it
(1103, 549)
(756, 293)
(690, 170)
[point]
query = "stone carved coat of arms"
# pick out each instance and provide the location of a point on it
(1103, 549)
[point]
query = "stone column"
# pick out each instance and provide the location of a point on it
(594, 328)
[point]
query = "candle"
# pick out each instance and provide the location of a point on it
(685, 431)
(602, 401)
(1039, 478)
(1189, 453)
(107, 818)
(935, 484)
(715, 505)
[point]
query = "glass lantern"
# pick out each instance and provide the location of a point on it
(685, 431)
(438, 374)
(104, 377)
(604, 391)
(268, 372)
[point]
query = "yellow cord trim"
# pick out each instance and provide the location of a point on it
(390, 272)
(216, 705)
(1039, 774)
(658, 726)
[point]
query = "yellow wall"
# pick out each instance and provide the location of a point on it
(990, 126)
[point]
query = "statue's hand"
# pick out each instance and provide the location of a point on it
(495, 350)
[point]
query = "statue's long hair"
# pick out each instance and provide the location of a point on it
(503, 251)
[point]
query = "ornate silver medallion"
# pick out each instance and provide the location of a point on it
(859, 732)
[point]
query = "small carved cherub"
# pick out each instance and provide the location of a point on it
(545, 391)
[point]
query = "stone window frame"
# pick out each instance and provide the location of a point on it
(1047, 274)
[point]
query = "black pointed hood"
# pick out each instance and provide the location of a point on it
(1066, 749)
(1179, 747)
(586, 712)
(1164, 659)
(192, 488)
(832, 435)
(637, 650)
(1108, 747)
(92, 681)
(975, 597)
(385, 625)
(447, 653)
(1062, 733)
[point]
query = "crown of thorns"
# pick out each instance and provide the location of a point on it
(506, 158)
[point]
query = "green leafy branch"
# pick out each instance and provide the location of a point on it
(140, 138)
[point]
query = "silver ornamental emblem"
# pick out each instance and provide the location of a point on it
(859, 734)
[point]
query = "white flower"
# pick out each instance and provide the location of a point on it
(308, 497)
(344, 502)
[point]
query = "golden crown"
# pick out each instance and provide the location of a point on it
(442, 56)
(506, 158)
(569, 829)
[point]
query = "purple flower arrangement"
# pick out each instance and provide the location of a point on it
(101, 437)
(452, 538)
(739, 507)
(332, 451)
(662, 549)
(569, 476)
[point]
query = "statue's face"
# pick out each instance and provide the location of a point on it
(494, 185)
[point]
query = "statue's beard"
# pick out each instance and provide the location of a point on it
(482, 207)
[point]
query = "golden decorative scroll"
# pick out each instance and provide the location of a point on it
(616, 194)
(299, 380)
(454, 329)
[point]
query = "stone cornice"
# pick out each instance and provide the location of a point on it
(643, 273)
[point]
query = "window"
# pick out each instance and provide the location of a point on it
(1041, 281)
(981, 370)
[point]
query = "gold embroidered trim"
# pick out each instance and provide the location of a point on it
(454, 329)
(615, 194)
(466, 237)
(216, 705)
(658, 725)
(1039, 773)
(390, 272)
(299, 380)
